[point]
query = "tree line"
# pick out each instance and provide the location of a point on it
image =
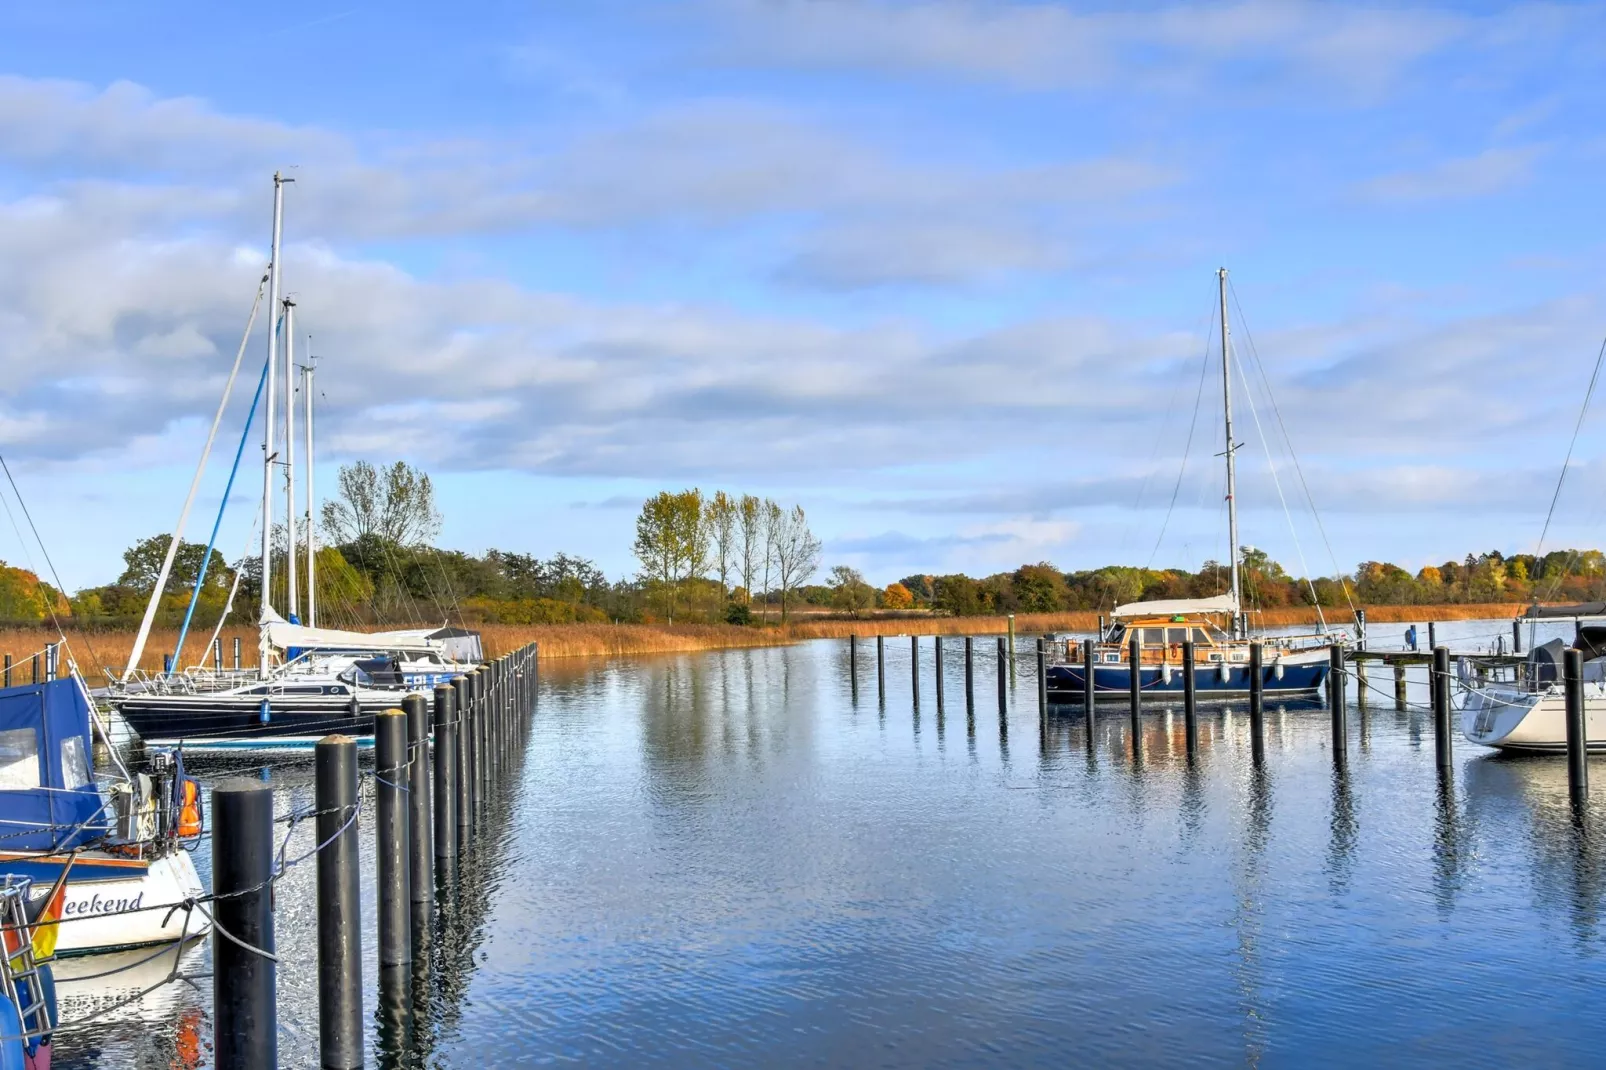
(702, 557)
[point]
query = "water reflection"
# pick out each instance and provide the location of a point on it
(720, 860)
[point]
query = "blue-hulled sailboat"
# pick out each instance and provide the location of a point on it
(1216, 626)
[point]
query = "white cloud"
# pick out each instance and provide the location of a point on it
(1177, 46)
(1492, 171)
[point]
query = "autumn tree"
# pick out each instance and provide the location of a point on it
(849, 592)
(395, 505)
(672, 541)
(797, 552)
(750, 541)
(719, 514)
(897, 596)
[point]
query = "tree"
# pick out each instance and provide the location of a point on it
(395, 505)
(142, 563)
(672, 541)
(1040, 588)
(897, 596)
(771, 518)
(720, 517)
(750, 538)
(797, 552)
(849, 592)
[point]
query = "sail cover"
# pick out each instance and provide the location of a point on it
(453, 644)
(48, 797)
(1582, 609)
(1176, 607)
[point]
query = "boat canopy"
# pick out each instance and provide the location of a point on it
(1175, 607)
(1581, 609)
(455, 644)
(48, 797)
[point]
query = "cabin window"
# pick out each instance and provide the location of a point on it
(1176, 636)
(1114, 659)
(74, 763)
(1201, 637)
(19, 758)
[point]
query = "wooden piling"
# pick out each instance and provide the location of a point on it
(1442, 747)
(1135, 683)
(245, 1015)
(1399, 687)
(339, 905)
(1012, 650)
(1257, 703)
(1190, 700)
(1577, 739)
(1335, 678)
(881, 668)
(393, 836)
(914, 668)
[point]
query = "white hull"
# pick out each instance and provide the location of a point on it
(92, 918)
(1510, 718)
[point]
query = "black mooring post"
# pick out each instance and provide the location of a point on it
(853, 665)
(1441, 708)
(420, 819)
(937, 659)
(1577, 738)
(881, 669)
(1090, 685)
(464, 810)
(393, 835)
(1002, 682)
(340, 1025)
(1135, 683)
(1433, 635)
(970, 676)
(914, 668)
(446, 795)
(1335, 677)
(8, 670)
(1516, 636)
(245, 1016)
(1190, 700)
(482, 751)
(1257, 703)
(1042, 680)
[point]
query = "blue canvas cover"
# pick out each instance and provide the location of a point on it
(51, 803)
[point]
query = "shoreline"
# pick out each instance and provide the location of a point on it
(111, 648)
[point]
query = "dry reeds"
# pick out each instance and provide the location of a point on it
(99, 650)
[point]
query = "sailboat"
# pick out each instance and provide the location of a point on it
(1217, 626)
(309, 681)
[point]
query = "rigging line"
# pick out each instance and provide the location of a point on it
(1578, 426)
(1154, 450)
(1271, 463)
(1293, 455)
(50, 603)
(1198, 398)
(234, 588)
(211, 542)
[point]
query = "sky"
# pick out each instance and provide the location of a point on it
(943, 272)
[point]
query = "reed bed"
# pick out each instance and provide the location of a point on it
(98, 650)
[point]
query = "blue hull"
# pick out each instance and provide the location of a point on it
(1114, 681)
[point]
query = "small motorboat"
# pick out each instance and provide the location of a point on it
(123, 851)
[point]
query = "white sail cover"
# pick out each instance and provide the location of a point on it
(1176, 607)
(447, 642)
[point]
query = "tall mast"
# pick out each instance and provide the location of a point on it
(267, 427)
(1232, 467)
(293, 605)
(312, 540)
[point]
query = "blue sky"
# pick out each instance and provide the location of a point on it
(942, 271)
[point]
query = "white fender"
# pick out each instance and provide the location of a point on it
(1165, 673)
(1279, 670)
(1224, 672)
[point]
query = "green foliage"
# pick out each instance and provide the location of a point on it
(738, 613)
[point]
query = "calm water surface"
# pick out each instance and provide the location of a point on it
(729, 860)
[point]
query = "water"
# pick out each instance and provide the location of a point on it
(725, 860)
